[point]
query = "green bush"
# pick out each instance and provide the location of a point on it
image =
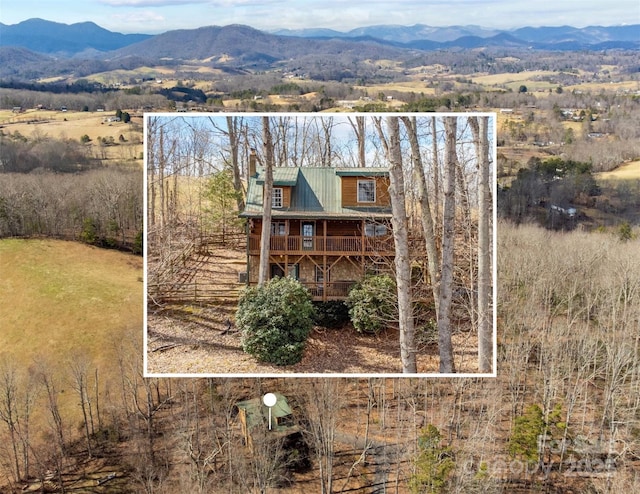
(373, 304)
(624, 232)
(433, 465)
(89, 233)
(523, 442)
(138, 243)
(331, 314)
(275, 320)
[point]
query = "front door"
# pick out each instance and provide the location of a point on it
(308, 230)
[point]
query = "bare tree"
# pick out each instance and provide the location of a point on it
(322, 400)
(79, 368)
(479, 130)
(234, 133)
(359, 129)
(401, 240)
(428, 227)
(11, 416)
(265, 239)
(436, 171)
(448, 235)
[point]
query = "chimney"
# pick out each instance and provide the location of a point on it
(252, 163)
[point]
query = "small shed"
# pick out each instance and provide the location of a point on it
(254, 413)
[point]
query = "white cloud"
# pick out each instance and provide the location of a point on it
(149, 3)
(136, 19)
(142, 21)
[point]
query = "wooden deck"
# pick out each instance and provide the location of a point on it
(321, 245)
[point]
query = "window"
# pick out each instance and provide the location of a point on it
(366, 191)
(375, 230)
(320, 274)
(278, 228)
(276, 198)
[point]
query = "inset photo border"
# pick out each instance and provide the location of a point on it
(320, 245)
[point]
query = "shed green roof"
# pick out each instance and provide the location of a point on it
(257, 412)
(316, 193)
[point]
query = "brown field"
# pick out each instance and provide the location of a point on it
(168, 76)
(73, 125)
(627, 171)
(64, 299)
(526, 77)
(605, 86)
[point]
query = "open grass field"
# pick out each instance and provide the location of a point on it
(627, 171)
(64, 300)
(73, 125)
(165, 76)
(511, 79)
(60, 298)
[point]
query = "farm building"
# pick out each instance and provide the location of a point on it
(329, 226)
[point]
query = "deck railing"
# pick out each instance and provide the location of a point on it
(295, 244)
(333, 290)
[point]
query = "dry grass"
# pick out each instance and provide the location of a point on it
(73, 125)
(525, 77)
(628, 171)
(61, 296)
(64, 299)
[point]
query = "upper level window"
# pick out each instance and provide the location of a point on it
(276, 198)
(366, 191)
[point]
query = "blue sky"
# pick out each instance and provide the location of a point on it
(155, 16)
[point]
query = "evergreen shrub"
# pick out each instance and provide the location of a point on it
(275, 320)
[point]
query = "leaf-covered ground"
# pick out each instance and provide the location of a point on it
(188, 338)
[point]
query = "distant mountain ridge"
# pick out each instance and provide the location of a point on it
(53, 38)
(32, 48)
(239, 45)
(89, 40)
(429, 37)
(397, 33)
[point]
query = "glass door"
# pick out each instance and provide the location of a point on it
(308, 229)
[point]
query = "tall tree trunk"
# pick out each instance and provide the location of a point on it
(263, 273)
(433, 256)
(479, 129)
(359, 128)
(161, 160)
(327, 150)
(151, 172)
(234, 143)
(436, 171)
(449, 213)
(9, 413)
(401, 240)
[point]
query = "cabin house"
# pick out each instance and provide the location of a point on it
(254, 414)
(329, 226)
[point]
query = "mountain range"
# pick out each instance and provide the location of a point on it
(36, 48)
(54, 38)
(409, 35)
(88, 40)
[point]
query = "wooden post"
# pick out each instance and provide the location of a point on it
(286, 248)
(362, 247)
(325, 271)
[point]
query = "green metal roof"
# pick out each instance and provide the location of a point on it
(281, 176)
(316, 193)
(257, 412)
(362, 172)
